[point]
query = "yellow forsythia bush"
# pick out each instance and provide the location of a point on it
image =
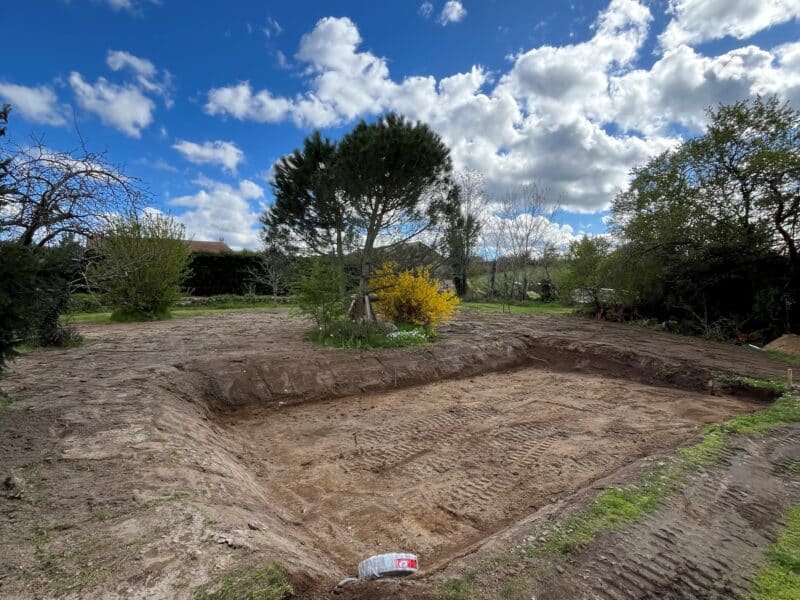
(412, 296)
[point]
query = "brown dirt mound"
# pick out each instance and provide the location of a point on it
(788, 344)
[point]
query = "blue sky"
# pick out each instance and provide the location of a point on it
(199, 99)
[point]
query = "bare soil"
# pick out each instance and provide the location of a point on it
(788, 344)
(161, 454)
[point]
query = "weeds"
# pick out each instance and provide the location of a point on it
(458, 588)
(266, 583)
(173, 497)
(779, 577)
(7, 400)
(358, 334)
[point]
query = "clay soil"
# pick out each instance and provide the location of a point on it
(159, 455)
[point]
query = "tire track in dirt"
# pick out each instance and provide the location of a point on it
(705, 543)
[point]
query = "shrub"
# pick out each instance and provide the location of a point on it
(85, 303)
(412, 297)
(319, 295)
(142, 262)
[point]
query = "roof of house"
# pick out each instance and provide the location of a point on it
(206, 246)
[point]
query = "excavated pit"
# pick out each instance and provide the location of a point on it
(234, 430)
(433, 469)
(433, 450)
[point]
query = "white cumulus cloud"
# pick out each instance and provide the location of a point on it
(219, 210)
(575, 117)
(225, 154)
(147, 75)
(696, 21)
(452, 12)
(124, 106)
(36, 104)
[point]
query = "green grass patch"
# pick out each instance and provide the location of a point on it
(790, 358)
(266, 583)
(173, 497)
(707, 452)
(126, 316)
(458, 588)
(612, 509)
(526, 308)
(784, 410)
(176, 313)
(776, 386)
(7, 400)
(779, 577)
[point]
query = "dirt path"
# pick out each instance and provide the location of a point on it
(159, 455)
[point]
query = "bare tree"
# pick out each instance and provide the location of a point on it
(463, 219)
(53, 196)
(273, 271)
(521, 220)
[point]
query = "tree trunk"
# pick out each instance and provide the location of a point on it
(492, 279)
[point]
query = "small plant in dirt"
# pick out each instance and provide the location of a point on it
(457, 589)
(266, 583)
(412, 297)
(370, 334)
(141, 263)
(319, 295)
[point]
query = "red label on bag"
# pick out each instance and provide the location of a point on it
(405, 563)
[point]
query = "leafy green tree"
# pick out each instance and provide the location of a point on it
(392, 173)
(141, 263)
(583, 278)
(710, 222)
(309, 210)
(386, 179)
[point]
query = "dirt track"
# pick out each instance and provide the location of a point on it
(162, 453)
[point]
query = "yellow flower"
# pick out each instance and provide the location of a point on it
(412, 296)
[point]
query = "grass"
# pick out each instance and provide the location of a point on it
(790, 358)
(776, 386)
(177, 313)
(619, 506)
(526, 308)
(173, 497)
(265, 583)
(612, 509)
(457, 588)
(779, 576)
(7, 400)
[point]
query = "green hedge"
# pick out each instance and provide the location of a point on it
(222, 273)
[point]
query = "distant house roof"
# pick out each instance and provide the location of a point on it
(203, 246)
